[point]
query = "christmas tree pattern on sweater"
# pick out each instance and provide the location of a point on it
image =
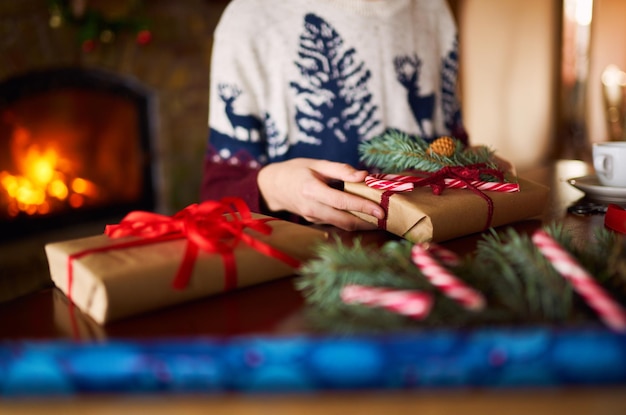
(335, 108)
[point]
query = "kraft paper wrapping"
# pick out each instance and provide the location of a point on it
(421, 216)
(74, 324)
(122, 282)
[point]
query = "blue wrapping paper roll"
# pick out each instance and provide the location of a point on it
(433, 359)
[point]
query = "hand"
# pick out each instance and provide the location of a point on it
(301, 186)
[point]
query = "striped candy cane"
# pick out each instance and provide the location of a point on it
(481, 185)
(444, 256)
(402, 183)
(414, 304)
(609, 311)
(388, 183)
(441, 278)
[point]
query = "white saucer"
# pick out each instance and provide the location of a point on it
(594, 190)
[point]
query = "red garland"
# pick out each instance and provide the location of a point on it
(212, 226)
(436, 180)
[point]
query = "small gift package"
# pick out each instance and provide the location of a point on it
(149, 261)
(421, 215)
(445, 193)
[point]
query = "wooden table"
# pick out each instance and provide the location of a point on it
(43, 315)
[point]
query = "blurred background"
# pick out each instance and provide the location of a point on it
(543, 79)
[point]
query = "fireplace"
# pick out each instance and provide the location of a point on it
(75, 146)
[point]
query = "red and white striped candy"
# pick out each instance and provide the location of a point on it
(481, 185)
(394, 177)
(414, 304)
(388, 183)
(441, 278)
(402, 183)
(609, 311)
(443, 255)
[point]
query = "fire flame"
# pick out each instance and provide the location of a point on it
(41, 182)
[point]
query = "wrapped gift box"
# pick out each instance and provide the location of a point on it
(421, 216)
(120, 282)
(72, 323)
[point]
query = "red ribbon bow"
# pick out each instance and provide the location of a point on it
(467, 174)
(212, 226)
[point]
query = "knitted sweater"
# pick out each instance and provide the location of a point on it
(314, 78)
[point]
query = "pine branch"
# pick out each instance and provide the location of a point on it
(531, 289)
(395, 151)
(338, 265)
(518, 282)
(610, 250)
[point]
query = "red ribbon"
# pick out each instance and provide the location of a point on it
(615, 218)
(212, 226)
(466, 174)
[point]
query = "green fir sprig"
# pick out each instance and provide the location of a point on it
(396, 151)
(527, 286)
(518, 283)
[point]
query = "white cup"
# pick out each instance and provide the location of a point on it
(609, 161)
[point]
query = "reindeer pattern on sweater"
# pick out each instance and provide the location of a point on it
(317, 84)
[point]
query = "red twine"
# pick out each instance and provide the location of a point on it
(468, 175)
(212, 226)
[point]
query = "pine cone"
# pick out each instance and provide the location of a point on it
(444, 146)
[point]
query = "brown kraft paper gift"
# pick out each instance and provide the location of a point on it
(118, 283)
(421, 216)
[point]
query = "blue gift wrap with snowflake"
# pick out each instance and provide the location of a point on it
(431, 359)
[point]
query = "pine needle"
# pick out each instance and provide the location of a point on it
(396, 151)
(519, 284)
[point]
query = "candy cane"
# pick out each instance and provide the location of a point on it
(395, 177)
(610, 312)
(414, 304)
(481, 185)
(443, 255)
(389, 184)
(402, 183)
(444, 280)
